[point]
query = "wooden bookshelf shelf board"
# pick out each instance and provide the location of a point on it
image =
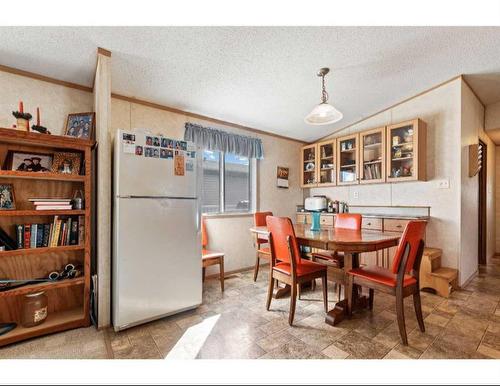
(35, 251)
(41, 176)
(42, 287)
(347, 166)
(372, 145)
(402, 158)
(56, 321)
(23, 213)
(403, 144)
(372, 162)
(44, 140)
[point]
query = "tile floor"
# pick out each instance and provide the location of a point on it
(235, 324)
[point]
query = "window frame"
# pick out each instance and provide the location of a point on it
(252, 188)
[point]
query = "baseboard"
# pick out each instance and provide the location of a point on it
(235, 271)
(467, 282)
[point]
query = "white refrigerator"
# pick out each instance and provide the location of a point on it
(156, 268)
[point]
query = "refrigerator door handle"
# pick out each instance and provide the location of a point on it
(198, 216)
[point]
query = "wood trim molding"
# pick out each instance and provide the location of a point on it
(388, 108)
(32, 75)
(199, 116)
(103, 51)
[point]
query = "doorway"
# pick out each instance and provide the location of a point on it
(483, 172)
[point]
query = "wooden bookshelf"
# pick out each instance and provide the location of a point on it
(372, 156)
(68, 300)
(348, 160)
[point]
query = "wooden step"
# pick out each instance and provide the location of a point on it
(432, 253)
(448, 274)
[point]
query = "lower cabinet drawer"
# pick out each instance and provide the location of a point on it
(326, 220)
(394, 225)
(303, 218)
(372, 223)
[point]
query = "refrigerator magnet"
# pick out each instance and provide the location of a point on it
(156, 141)
(164, 142)
(178, 165)
(163, 153)
(138, 150)
(129, 148)
(129, 138)
(149, 140)
(170, 153)
(189, 165)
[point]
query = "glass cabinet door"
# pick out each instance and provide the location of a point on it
(372, 155)
(347, 159)
(326, 155)
(309, 165)
(406, 151)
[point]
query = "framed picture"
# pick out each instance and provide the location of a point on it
(7, 200)
(282, 177)
(28, 161)
(67, 163)
(80, 125)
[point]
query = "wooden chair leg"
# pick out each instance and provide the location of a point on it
(221, 273)
(325, 292)
(270, 290)
(299, 290)
(203, 270)
(340, 292)
(370, 299)
(313, 285)
(293, 302)
(401, 316)
(256, 269)
(418, 310)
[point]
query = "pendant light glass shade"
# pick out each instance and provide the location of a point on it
(324, 113)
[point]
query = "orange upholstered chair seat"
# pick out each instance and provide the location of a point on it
(304, 268)
(207, 254)
(381, 276)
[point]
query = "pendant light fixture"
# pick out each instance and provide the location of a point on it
(324, 113)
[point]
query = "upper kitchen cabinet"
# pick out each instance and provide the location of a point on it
(309, 163)
(326, 170)
(372, 156)
(348, 159)
(406, 151)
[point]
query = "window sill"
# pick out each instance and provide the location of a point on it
(228, 215)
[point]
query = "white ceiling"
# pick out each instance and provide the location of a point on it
(262, 77)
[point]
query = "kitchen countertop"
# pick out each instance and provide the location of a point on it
(389, 216)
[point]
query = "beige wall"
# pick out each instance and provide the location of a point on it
(55, 101)
(441, 110)
(227, 234)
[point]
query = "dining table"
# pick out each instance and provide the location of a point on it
(351, 243)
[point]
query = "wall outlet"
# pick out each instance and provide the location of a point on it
(444, 184)
(355, 194)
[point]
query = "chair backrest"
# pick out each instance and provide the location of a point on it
(412, 235)
(280, 229)
(204, 236)
(348, 221)
(259, 218)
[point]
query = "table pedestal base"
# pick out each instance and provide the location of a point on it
(339, 312)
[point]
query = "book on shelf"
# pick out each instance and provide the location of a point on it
(61, 232)
(51, 203)
(373, 172)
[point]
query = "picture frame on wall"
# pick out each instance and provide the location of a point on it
(7, 198)
(23, 161)
(67, 163)
(282, 177)
(80, 125)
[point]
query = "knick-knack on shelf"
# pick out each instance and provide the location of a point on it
(22, 118)
(37, 127)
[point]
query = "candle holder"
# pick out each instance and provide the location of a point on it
(38, 127)
(22, 118)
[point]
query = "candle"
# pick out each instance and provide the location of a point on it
(21, 109)
(38, 116)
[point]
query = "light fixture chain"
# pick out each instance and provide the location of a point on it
(324, 94)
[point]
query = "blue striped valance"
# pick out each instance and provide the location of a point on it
(213, 139)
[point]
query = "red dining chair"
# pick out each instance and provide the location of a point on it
(287, 266)
(259, 219)
(402, 280)
(208, 257)
(350, 221)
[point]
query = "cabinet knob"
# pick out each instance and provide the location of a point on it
(399, 226)
(369, 223)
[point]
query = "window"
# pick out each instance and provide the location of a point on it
(227, 183)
